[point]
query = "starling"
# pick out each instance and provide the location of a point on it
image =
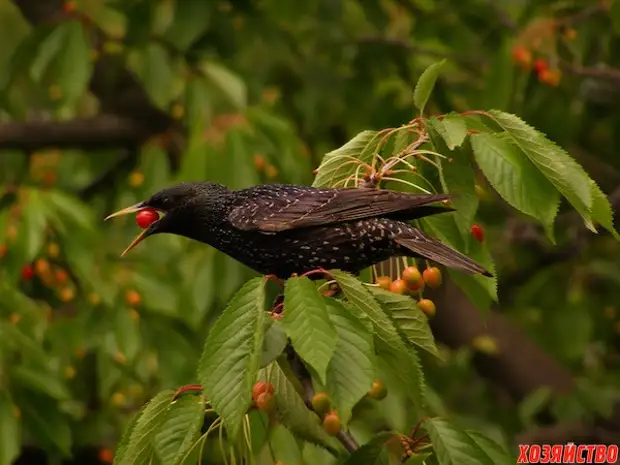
(281, 230)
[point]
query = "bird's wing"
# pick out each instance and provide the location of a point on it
(280, 210)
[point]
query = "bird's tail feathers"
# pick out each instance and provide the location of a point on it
(437, 252)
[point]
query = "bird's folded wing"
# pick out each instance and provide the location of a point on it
(281, 211)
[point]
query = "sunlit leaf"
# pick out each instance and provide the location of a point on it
(425, 85)
(180, 429)
(140, 448)
(231, 357)
(307, 323)
(351, 370)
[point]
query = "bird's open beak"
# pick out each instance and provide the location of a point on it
(143, 235)
(126, 211)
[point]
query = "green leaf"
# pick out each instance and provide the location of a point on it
(425, 85)
(338, 164)
(409, 319)
(452, 445)
(41, 381)
(140, 448)
(374, 452)
(516, 178)
(10, 430)
(418, 459)
(190, 20)
(127, 334)
(157, 74)
(308, 325)
(47, 51)
(227, 82)
(180, 430)
(43, 420)
(121, 448)
(492, 450)
(452, 129)
(293, 413)
(558, 166)
(66, 212)
(351, 370)
(274, 342)
(402, 360)
(533, 404)
(231, 357)
(33, 224)
(601, 210)
(458, 178)
(74, 66)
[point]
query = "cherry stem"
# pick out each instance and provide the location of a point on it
(317, 271)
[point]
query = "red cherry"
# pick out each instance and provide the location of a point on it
(477, 232)
(27, 273)
(540, 65)
(145, 217)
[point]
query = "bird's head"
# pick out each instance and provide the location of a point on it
(180, 207)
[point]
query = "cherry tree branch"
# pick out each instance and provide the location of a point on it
(86, 133)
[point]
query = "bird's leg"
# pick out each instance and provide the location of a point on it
(193, 388)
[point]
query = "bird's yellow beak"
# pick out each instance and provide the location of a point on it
(126, 211)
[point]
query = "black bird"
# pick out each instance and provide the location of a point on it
(284, 229)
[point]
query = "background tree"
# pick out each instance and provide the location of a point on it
(106, 102)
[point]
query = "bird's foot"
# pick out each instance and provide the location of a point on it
(193, 388)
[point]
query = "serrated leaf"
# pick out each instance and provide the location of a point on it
(402, 360)
(452, 129)
(74, 66)
(121, 448)
(452, 445)
(351, 371)
(140, 448)
(554, 162)
(41, 381)
(336, 165)
(516, 178)
(307, 323)
(293, 413)
(228, 83)
(601, 210)
(495, 453)
(374, 452)
(10, 430)
(409, 319)
(274, 342)
(180, 430)
(425, 85)
(231, 357)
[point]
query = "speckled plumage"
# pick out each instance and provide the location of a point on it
(284, 229)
